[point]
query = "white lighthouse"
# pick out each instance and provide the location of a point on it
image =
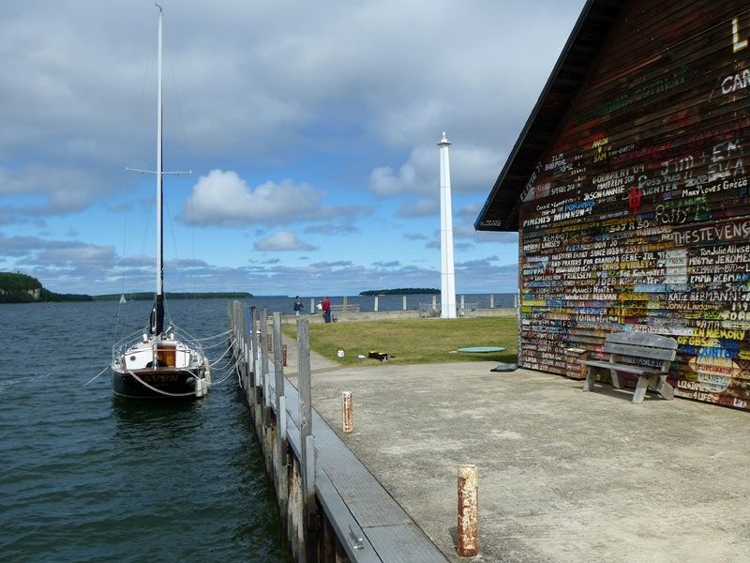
(447, 277)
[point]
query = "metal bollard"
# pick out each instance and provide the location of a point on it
(468, 489)
(347, 412)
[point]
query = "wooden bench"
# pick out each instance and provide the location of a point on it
(643, 354)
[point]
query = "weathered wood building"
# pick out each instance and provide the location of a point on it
(629, 189)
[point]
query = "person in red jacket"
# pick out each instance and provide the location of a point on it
(326, 306)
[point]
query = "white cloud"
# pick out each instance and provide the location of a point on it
(345, 100)
(419, 208)
(385, 183)
(223, 198)
(473, 169)
(282, 241)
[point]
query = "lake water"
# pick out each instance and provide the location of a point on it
(86, 477)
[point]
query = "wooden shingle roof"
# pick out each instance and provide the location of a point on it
(500, 211)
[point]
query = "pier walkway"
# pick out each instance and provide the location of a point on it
(564, 476)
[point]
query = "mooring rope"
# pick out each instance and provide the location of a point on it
(233, 367)
(97, 375)
(214, 336)
(139, 380)
(231, 345)
(214, 345)
(222, 380)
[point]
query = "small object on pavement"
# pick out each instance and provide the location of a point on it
(382, 356)
(481, 349)
(505, 367)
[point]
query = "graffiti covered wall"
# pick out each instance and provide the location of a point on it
(639, 213)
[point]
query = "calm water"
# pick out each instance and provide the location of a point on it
(86, 477)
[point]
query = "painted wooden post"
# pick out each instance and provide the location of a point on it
(492, 301)
(278, 366)
(404, 300)
(248, 366)
(253, 349)
(375, 308)
(305, 403)
(307, 440)
(264, 355)
(281, 472)
(468, 500)
(347, 412)
(312, 306)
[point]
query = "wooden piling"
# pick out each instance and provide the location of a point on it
(307, 440)
(468, 501)
(320, 525)
(347, 412)
(264, 355)
(279, 356)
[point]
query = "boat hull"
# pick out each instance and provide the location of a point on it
(164, 384)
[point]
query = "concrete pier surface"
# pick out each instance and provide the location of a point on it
(564, 476)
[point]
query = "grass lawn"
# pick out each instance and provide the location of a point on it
(413, 341)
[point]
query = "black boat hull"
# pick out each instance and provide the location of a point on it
(164, 385)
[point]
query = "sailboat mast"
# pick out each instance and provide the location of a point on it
(159, 307)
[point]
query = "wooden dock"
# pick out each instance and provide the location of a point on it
(333, 509)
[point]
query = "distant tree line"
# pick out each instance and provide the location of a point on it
(21, 288)
(401, 291)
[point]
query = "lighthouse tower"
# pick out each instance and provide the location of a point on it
(447, 277)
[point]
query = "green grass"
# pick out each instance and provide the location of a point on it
(413, 341)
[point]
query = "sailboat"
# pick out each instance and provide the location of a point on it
(163, 362)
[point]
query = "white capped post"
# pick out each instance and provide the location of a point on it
(447, 278)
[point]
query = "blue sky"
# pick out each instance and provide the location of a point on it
(310, 127)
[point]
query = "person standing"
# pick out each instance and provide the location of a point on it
(297, 306)
(326, 306)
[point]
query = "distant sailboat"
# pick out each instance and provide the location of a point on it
(122, 299)
(163, 362)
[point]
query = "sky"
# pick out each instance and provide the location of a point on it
(310, 128)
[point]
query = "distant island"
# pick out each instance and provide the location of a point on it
(401, 291)
(21, 288)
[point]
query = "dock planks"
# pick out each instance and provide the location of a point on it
(369, 522)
